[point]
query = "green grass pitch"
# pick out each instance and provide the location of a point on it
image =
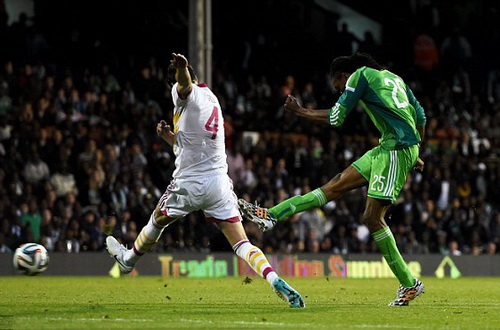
(53, 302)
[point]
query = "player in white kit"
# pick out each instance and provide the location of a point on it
(200, 180)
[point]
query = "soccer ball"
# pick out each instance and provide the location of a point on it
(31, 259)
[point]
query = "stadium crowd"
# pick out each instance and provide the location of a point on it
(80, 159)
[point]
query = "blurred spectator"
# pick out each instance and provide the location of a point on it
(453, 249)
(345, 41)
(493, 87)
(369, 45)
(308, 98)
(236, 164)
(49, 233)
(4, 248)
(315, 220)
(31, 220)
(63, 181)
(492, 248)
(36, 169)
(456, 49)
(426, 54)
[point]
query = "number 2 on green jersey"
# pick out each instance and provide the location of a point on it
(397, 86)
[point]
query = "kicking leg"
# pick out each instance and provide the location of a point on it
(236, 236)
(349, 179)
(343, 182)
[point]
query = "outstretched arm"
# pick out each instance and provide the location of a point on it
(356, 85)
(182, 75)
(293, 106)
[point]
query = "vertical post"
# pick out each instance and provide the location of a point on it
(196, 37)
(200, 39)
(208, 42)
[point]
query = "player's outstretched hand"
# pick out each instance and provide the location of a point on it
(419, 165)
(291, 104)
(164, 131)
(179, 60)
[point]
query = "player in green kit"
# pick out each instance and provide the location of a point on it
(399, 117)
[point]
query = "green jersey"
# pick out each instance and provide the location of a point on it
(390, 104)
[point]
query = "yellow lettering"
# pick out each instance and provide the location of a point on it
(165, 265)
(376, 269)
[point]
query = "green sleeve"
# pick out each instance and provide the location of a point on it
(24, 219)
(421, 119)
(355, 87)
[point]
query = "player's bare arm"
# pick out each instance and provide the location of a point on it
(419, 165)
(293, 106)
(182, 75)
(165, 132)
(421, 131)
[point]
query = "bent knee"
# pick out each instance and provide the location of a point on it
(162, 219)
(374, 224)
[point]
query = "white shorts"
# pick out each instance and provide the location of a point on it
(213, 195)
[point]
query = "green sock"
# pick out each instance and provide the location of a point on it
(387, 245)
(296, 204)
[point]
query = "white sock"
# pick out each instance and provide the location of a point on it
(145, 240)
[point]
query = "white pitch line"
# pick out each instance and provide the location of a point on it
(384, 326)
(92, 319)
(252, 323)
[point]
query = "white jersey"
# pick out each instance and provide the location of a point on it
(199, 144)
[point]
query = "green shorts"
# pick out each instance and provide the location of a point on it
(386, 170)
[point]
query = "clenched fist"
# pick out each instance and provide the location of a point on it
(165, 132)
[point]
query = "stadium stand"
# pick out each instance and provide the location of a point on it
(79, 156)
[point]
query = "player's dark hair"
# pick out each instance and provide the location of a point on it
(349, 64)
(171, 70)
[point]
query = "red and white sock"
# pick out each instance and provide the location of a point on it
(256, 259)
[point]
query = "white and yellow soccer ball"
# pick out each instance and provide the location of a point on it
(31, 259)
